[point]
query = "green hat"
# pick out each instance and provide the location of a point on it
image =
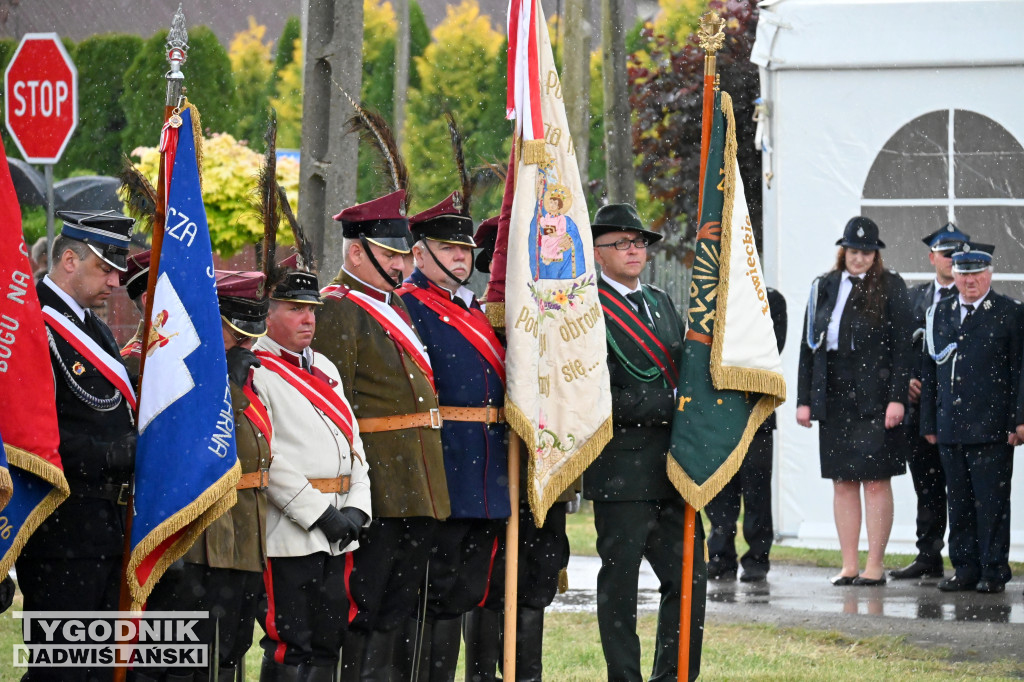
(620, 217)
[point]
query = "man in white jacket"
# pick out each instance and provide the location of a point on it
(319, 491)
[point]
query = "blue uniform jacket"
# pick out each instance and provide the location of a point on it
(475, 454)
(972, 397)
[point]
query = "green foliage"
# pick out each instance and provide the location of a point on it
(419, 38)
(7, 48)
(101, 61)
(251, 68)
(287, 47)
(287, 100)
(33, 224)
(208, 82)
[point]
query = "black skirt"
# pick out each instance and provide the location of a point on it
(855, 447)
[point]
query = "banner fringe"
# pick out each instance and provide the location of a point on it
(534, 152)
(495, 314)
(698, 495)
(6, 487)
(196, 517)
(53, 475)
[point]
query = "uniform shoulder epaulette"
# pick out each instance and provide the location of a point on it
(655, 288)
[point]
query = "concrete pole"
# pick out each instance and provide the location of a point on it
(617, 134)
(327, 178)
(576, 79)
(401, 67)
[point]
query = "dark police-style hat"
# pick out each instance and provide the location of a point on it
(972, 257)
(298, 287)
(106, 233)
(136, 275)
(486, 239)
(243, 305)
(946, 238)
(380, 221)
(444, 222)
(619, 217)
(861, 233)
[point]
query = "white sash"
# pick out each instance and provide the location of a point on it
(389, 313)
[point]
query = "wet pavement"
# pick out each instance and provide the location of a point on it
(972, 625)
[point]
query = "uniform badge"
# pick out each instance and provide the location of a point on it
(987, 305)
(78, 368)
(860, 231)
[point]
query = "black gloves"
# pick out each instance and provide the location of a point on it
(6, 593)
(240, 361)
(341, 525)
(121, 453)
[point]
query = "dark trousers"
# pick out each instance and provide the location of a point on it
(231, 597)
(461, 569)
(978, 489)
(307, 609)
(628, 532)
(754, 484)
(925, 465)
(543, 553)
(68, 585)
(388, 570)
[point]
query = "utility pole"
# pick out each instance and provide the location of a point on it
(576, 79)
(621, 181)
(401, 67)
(327, 178)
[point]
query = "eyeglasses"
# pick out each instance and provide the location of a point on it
(624, 244)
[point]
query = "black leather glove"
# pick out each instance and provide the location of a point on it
(337, 526)
(6, 593)
(121, 453)
(240, 361)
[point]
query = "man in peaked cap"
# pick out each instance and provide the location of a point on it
(637, 511)
(134, 280)
(319, 490)
(468, 361)
(970, 408)
(923, 458)
(73, 561)
(222, 573)
(366, 331)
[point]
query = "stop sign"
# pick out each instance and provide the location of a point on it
(41, 97)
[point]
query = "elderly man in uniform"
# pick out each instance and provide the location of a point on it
(319, 491)
(73, 561)
(969, 407)
(366, 331)
(637, 511)
(923, 460)
(469, 370)
(222, 573)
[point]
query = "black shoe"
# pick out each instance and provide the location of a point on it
(754, 575)
(918, 569)
(986, 586)
(957, 584)
(861, 581)
(718, 572)
(843, 580)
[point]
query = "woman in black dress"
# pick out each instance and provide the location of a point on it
(854, 371)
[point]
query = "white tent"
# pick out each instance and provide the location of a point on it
(910, 112)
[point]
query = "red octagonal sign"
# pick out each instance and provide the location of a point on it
(41, 97)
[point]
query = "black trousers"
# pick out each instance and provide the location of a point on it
(543, 553)
(753, 483)
(307, 608)
(49, 584)
(925, 466)
(978, 489)
(388, 570)
(461, 572)
(231, 597)
(628, 532)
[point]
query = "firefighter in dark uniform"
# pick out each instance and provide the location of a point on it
(637, 511)
(469, 372)
(73, 561)
(222, 573)
(923, 460)
(969, 406)
(134, 280)
(366, 331)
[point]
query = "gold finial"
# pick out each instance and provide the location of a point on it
(710, 34)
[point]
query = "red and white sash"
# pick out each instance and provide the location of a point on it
(110, 367)
(398, 329)
(315, 390)
(257, 414)
(472, 324)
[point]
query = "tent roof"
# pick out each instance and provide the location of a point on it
(859, 34)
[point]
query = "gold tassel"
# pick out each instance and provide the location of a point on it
(496, 315)
(6, 487)
(197, 137)
(534, 152)
(563, 581)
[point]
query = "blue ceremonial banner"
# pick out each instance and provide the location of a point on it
(185, 467)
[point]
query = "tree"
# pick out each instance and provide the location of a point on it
(251, 68)
(207, 78)
(287, 45)
(287, 100)
(666, 81)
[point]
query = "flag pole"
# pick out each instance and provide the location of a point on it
(711, 37)
(177, 52)
(508, 669)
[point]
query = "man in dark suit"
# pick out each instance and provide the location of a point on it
(969, 407)
(754, 484)
(73, 561)
(637, 511)
(923, 459)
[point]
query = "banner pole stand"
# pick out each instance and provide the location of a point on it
(508, 669)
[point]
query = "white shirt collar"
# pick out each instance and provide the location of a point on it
(977, 303)
(621, 288)
(848, 276)
(940, 285)
(66, 297)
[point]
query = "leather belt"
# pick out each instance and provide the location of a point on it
(112, 492)
(433, 419)
(256, 479)
(341, 484)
